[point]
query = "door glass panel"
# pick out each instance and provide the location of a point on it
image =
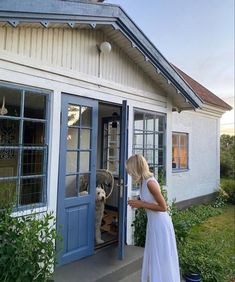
(84, 161)
(86, 117)
(71, 186)
(85, 139)
(72, 138)
(73, 115)
(84, 180)
(71, 162)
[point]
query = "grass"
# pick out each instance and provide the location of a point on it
(221, 229)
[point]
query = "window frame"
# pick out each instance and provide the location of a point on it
(144, 132)
(178, 134)
(20, 147)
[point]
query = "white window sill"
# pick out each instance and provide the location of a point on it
(30, 211)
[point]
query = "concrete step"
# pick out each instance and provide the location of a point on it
(103, 266)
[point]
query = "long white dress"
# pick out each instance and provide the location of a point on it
(160, 263)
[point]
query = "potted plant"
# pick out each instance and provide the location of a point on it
(200, 260)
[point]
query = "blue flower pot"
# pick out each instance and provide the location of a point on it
(192, 277)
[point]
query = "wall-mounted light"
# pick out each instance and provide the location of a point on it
(105, 47)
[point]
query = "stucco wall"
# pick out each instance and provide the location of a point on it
(202, 177)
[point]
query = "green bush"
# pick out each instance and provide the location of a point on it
(184, 220)
(228, 185)
(140, 223)
(204, 258)
(227, 156)
(27, 250)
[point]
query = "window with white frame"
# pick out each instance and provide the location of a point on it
(149, 140)
(179, 151)
(23, 146)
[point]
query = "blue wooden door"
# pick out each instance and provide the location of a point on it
(123, 180)
(77, 177)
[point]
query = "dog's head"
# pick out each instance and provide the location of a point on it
(100, 194)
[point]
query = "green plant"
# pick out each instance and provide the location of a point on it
(204, 258)
(139, 224)
(221, 199)
(227, 160)
(27, 250)
(228, 185)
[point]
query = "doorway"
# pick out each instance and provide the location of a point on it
(92, 139)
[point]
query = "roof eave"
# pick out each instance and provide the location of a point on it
(14, 11)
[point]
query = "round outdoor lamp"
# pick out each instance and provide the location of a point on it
(105, 47)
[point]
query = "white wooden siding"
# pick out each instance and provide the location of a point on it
(76, 49)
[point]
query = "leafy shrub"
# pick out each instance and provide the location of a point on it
(184, 220)
(205, 258)
(140, 223)
(221, 199)
(27, 250)
(228, 185)
(7, 194)
(227, 153)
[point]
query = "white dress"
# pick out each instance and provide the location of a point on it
(160, 263)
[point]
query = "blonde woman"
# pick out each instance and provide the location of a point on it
(160, 263)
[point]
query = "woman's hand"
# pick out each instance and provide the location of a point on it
(135, 203)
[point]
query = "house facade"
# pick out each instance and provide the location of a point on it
(82, 88)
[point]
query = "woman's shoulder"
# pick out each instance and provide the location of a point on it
(151, 178)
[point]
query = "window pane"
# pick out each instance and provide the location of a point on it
(149, 122)
(31, 191)
(7, 193)
(159, 140)
(12, 99)
(9, 132)
(32, 162)
(35, 105)
(160, 123)
(140, 152)
(183, 140)
(85, 139)
(8, 162)
(183, 158)
(138, 121)
(72, 162)
(175, 157)
(159, 157)
(148, 154)
(86, 117)
(138, 141)
(84, 162)
(149, 141)
(175, 139)
(73, 115)
(72, 138)
(71, 186)
(33, 133)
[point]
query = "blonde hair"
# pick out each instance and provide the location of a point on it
(138, 168)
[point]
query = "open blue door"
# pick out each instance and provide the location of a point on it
(77, 177)
(123, 180)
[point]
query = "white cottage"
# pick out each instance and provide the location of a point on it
(81, 89)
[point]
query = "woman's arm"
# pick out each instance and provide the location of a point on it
(160, 204)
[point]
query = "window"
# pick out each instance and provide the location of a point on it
(149, 141)
(179, 151)
(23, 146)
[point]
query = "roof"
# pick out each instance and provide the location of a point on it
(76, 13)
(206, 95)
